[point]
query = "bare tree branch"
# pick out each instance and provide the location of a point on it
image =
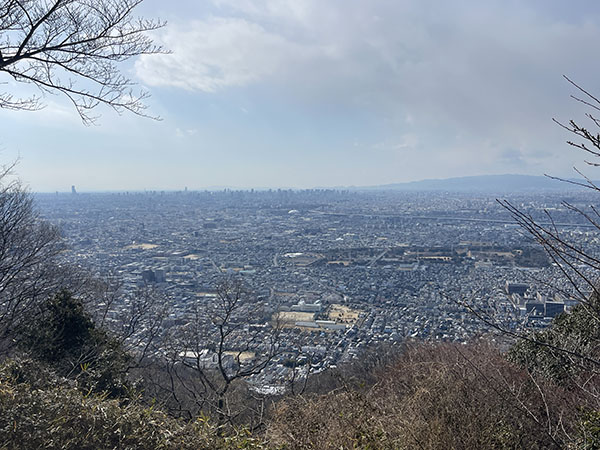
(73, 48)
(213, 355)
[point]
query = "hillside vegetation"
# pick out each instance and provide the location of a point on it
(38, 409)
(428, 396)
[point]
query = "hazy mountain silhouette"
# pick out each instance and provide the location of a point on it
(483, 183)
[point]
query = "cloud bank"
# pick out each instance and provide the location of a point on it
(449, 81)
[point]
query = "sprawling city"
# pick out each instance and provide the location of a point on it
(299, 224)
(339, 271)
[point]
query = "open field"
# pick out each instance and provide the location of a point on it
(142, 246)
(343, 314)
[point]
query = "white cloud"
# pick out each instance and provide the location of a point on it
(217, 53)
(444, 76)
(281, 10)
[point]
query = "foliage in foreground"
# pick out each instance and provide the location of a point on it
(566, 351)
(41, 410)
(434, 397)
(431, 396)
(64, 337)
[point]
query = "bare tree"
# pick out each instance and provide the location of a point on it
(211, 357)
(133, 317)
(579, 264)
(569, 350)
(29, 267)
(73, 47)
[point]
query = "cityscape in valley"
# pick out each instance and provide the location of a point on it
(299, 224)
(336, 271)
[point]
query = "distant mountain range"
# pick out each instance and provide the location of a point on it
(483, 183)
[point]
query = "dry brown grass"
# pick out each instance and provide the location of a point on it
(433, 397)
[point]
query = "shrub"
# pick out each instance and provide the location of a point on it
(433, 397)
(39, 409)
(565, 350)
(64, 337)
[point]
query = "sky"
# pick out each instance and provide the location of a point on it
(328, 93)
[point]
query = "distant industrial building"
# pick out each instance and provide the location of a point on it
(154, 276)
(553, 309)
(516, 288)
(307, 307)
(535, 308)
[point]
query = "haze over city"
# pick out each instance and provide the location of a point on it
(298, 224)
(306, 94)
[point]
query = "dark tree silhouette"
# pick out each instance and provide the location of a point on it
(64, 336)
(29, 268)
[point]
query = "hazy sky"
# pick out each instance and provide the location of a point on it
(306, 93)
